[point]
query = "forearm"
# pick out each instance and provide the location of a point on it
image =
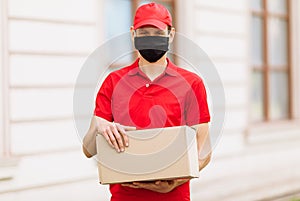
(204, 162)
(89, 141)
(203, 144)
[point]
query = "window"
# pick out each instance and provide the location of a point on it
(118, 17)
(271, 96)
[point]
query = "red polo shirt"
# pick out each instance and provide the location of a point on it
(177, 97)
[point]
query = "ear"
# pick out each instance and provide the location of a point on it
(172, 35)
(132, 33)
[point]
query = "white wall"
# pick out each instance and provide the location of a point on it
(48, 43)
(220, 27)
(221, 30)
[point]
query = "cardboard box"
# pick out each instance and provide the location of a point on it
(153, 154)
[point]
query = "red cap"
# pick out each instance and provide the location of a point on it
(152, 14)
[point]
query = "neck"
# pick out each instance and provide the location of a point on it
(153, 70)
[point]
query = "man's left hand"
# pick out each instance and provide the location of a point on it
(161, 186)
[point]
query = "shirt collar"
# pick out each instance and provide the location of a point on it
(171, 69)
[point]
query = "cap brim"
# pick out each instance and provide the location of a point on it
(151, 22)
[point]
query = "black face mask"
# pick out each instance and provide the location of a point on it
(152, 48)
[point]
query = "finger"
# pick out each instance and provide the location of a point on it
(161, 183)
(144, 185)
(129, 128)
(118, 137)
(170, 182)
(157, 182)
(113, 139)
(140, 184)
(130, 185)
(105, 135)
(182, 179)
(123, 133)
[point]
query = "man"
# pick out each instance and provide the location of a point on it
(150, 93)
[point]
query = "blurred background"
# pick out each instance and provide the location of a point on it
(254, 45)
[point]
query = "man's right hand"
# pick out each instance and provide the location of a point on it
(114, 133)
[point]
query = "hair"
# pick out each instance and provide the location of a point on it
(169, 29)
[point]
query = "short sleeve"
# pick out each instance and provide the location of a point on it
(103, 100)
(196, 107)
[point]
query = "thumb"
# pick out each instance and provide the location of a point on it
(182, 179)
(129, 128)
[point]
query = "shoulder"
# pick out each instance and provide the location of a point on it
(188, 74)
(191, 77)
(196, 84)
(116, 75)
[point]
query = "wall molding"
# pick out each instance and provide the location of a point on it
(1, 79)
(4, 99)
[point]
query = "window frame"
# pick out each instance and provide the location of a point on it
(266, 68)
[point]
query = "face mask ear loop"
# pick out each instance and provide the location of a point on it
(169, 31)
(134, 33)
